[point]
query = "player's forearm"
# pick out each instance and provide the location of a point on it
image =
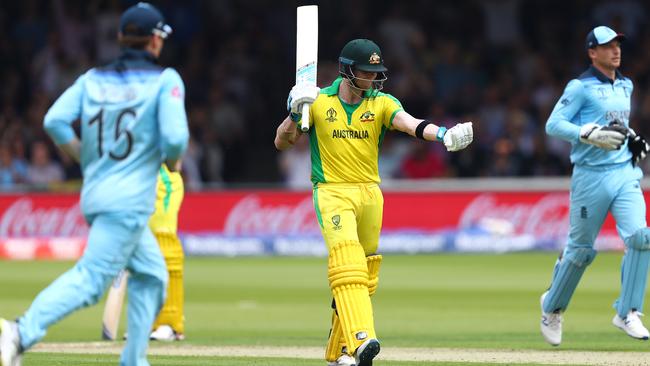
(174, 143)
(174, 131)
(429, 133)
(73, 149)
(58, 129)
(563, 129)
(173, 165)
(286, 134)
(408, 124)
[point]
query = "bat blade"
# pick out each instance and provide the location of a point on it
(306, 51)
(113, 307)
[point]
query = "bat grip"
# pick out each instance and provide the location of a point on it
(304, 122)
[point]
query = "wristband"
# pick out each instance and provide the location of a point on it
(419, 130)
(441, 133)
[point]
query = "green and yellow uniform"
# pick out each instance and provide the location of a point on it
(345, 141)
(345, 138)
(164, 225)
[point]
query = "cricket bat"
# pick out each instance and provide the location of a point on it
(113, 307)
(306, 52)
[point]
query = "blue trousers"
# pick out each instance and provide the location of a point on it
(595, 191)
(116, 241)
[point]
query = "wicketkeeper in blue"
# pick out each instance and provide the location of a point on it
(132, 120)
(593, 115)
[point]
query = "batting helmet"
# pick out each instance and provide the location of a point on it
(364, 55)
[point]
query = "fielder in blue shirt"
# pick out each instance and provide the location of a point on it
(593, 115)
(132, 120)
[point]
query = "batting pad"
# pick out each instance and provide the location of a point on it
(336, 341)
(374, 263)
(348, 278)
(634, 273)
(568, 273)
(172, 312)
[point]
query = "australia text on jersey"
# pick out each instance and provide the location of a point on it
(349, 134)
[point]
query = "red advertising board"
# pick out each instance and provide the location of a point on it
(272, 212)
(42, 219)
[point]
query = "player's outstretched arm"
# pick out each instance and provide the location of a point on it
(454, 139)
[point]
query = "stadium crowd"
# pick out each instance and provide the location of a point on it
(499, 63)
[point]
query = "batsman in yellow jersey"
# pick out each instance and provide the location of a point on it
(348, 120)
(169, 326)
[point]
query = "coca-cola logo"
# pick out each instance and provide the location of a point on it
(548, 217)
(21, 219)
(250, 216)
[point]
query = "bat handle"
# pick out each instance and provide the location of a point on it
(304, 122)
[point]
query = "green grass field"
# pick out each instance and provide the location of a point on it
(453, 301)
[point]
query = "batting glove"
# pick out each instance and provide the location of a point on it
(610, 137)
(458, 137)
(301, 94)
(638, 146)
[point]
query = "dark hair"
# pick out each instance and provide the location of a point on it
(126, 38)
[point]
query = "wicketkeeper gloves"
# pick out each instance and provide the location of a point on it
(638, 146)
(613, 136)
(610, 137)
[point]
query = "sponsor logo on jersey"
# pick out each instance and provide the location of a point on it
(367, 116)
(331, 115)
(617, 115)
(336, 220)
(350, 134)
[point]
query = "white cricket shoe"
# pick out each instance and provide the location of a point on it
(366, 352)
(631, 325)
(10, 354)
(166, 333)
(343, 360)
(551, 325)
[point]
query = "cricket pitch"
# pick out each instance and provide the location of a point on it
(550, 357)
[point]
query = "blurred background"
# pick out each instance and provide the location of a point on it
(500, 63)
